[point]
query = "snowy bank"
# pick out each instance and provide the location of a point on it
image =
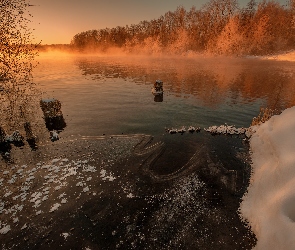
(288, 56)
(269, 204)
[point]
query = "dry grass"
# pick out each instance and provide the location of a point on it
(264, 115)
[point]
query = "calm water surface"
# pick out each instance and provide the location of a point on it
(112, 95)
(174, 191)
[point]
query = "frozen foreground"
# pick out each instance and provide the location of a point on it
(112, 192)
(269, 205)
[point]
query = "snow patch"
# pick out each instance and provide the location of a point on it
(63, 201)
(5, 229)
(130, 195)
(269, 204)
(54, 207)
(65, 235)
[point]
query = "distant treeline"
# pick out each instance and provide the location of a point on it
(219, 27)
(63, 47)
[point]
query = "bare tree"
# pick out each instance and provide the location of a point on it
(16, 62)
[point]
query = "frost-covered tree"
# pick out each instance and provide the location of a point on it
(16, 63)
(292, 15)
(230, 41)
(219, 12)
(219, 27)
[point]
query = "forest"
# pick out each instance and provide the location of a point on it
(218, 27)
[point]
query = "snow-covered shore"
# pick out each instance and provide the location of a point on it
(287, 56)
(269, 204)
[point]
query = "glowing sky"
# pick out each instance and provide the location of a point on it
(57, 21)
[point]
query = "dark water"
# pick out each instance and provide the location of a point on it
(112, 95)
(178, 191)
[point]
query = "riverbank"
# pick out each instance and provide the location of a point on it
(286, 56)
(269, 204)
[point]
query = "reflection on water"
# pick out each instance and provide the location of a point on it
(112, 95)
(157, 91)
(213, 81)
(182, 189)
(159, 98)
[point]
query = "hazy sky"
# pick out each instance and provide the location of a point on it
(57, 21)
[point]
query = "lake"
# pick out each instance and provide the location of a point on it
(112, 95)
(173, 191)
(105, 95)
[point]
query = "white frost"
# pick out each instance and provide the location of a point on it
(65, 235)
(63, 201)
(55, 160)
(54, 207)
(5, 229)
(7, 194)
(103, 173)
(130, 195)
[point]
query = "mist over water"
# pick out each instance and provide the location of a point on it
(167, 191)
(219, 27)
(200, 90)
(88, 159)
(111, 94)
